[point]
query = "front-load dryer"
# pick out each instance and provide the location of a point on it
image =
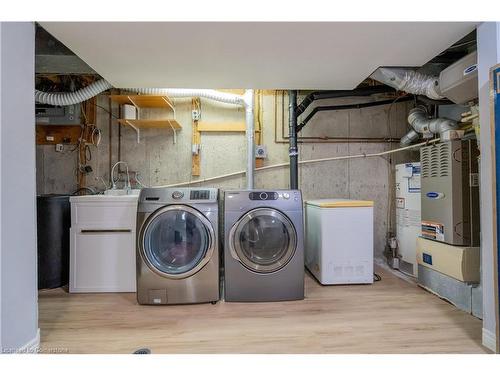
(263, 246)
(177, 246)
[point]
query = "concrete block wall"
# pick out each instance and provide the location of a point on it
(159, 161)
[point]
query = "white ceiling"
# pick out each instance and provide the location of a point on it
(331, 55)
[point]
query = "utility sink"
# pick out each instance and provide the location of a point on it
(120, 192)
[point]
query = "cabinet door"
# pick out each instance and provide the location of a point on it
(102, 261)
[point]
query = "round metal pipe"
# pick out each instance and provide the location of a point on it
(248, 99)
(293, 151)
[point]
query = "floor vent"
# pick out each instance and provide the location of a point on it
(143, 351)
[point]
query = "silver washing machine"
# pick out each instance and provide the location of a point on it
(263, 246)
(177, 246)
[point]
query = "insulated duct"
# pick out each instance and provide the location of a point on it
(72, 98)
(409, 81)
(419, 120)
(95, 88)
(217, 96)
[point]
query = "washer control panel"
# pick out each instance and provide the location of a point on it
(263, 196)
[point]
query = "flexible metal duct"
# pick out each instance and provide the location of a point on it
(95, 88)
(72, 98)
(409, 81)
(217, 96)
(419, 120)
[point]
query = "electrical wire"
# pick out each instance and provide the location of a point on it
(376, 277)
(105, 110)
(139, 181)
(88, 154)
(104, 183)
(86, 188)
(95, 139)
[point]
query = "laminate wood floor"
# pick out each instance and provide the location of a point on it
(390, 316)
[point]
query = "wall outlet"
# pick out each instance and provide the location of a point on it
(195, 149)
(196, 115)
(260, 152)
(59, 147)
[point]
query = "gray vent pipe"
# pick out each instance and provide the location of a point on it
(419, 120)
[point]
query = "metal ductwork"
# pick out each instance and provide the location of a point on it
(458, 82)
(419, 120)
(409, 81)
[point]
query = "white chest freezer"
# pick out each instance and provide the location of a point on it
(339, 241)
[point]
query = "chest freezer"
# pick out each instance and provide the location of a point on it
(339, 241)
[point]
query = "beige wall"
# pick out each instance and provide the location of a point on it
(159, 161)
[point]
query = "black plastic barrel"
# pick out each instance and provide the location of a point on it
(53, 223)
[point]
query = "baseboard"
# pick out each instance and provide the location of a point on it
(489, 340)
(32, 346)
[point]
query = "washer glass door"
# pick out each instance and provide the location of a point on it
(177, 241)
(264, 240)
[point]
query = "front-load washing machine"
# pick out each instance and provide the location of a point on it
(263, 246)
(177, 246)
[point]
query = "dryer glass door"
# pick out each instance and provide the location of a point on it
(264, 240)
(177, 241)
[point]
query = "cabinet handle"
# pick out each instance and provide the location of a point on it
(96, 231)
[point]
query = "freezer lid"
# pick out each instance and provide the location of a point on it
(333, 203)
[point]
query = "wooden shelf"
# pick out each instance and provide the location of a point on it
(156, 124)
(221, 126)
(144, 101)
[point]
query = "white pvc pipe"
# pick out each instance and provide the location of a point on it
(248, 98)
(281, 165)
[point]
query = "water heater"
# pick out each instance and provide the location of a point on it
(407, 215)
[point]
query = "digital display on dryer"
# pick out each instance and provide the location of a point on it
(199, 194)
